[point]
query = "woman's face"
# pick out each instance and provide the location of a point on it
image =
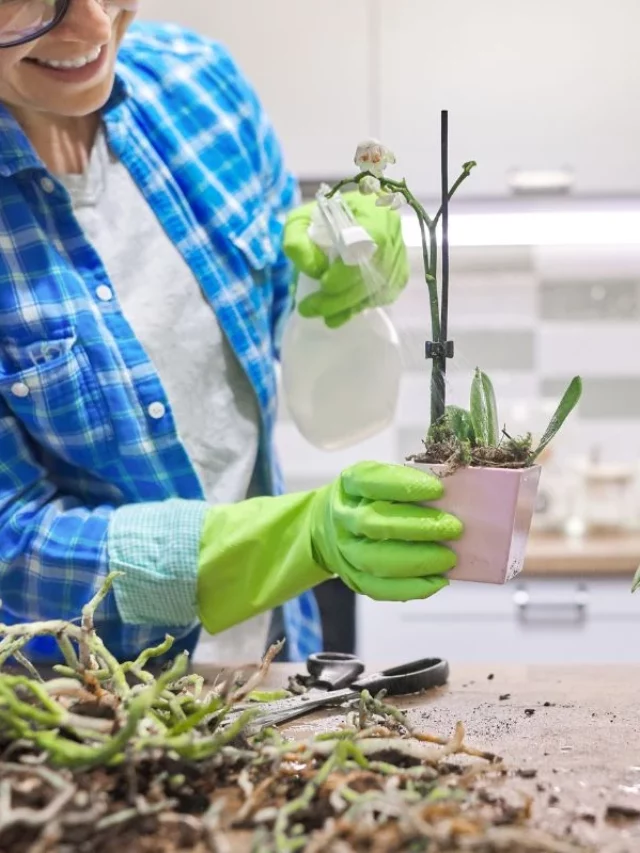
(86, 42)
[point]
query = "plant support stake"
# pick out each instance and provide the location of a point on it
(442, 349)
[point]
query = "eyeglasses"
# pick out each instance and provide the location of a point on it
(22, 21)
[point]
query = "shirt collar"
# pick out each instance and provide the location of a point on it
(17, 154)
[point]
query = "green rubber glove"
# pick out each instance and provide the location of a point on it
(366, 527)
(343, 291)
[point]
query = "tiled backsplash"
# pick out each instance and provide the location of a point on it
(532, 318)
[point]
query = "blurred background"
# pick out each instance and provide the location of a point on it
(545, 275)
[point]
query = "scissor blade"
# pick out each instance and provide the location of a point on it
(263, 709)
(311, 699)
(273, 717)
(274, 713)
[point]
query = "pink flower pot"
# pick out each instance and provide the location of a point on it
(496, 507)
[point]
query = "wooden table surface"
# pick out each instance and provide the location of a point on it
(611, 554)
(577, 727)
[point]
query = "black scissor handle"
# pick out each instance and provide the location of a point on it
(334, 670)
(406, 679)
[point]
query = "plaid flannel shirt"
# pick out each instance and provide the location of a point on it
(81, 444)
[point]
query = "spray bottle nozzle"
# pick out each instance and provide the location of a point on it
(355, 246)
(348, 239)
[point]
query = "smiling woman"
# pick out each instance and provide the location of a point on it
(59, 56)
(144, 282)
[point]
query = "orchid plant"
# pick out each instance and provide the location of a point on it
(372, 159)
(470, 436)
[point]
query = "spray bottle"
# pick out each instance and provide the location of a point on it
(341, 385)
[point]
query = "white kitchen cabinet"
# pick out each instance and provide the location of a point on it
(309, 62)
(531, 620)
(530, 86)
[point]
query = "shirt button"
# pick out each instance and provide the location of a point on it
(19, 389)
(156, 411)
(104, 293)
(47, 185)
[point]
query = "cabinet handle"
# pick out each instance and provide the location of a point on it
(545, 612)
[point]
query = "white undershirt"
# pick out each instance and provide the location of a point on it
(213, 403)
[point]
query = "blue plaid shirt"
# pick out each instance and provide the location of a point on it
(77, 441)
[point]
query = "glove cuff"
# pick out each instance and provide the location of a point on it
(255, 556)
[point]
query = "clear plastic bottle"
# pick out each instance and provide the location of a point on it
(341, 385)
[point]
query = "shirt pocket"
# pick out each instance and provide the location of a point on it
(52, 389)
(256, 241)
(252, 255)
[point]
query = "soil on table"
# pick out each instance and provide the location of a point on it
(165, 806)
(523, 801)
(549, 766)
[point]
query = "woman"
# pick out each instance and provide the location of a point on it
(143, 285)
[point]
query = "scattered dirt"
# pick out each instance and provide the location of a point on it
(602, 766)
(622, 813)
(531, 773)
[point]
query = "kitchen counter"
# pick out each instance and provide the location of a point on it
(576, 730)
(555, 554)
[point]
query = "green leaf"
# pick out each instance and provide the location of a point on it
(565, 407)
(264, 696)
(484, 411)
(459, 422)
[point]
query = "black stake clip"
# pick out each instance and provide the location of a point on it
(438, 349)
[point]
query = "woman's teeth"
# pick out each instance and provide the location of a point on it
(79, 62)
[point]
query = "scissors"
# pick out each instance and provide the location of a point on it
(338, 678)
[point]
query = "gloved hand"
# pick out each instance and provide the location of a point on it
(343, 291)
(366, 527)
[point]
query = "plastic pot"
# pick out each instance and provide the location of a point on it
(496, 506)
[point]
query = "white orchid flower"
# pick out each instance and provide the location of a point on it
(369, 185)
(372, 156)
(392, 200)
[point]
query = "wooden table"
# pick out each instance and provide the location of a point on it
(554, 554)
(579, 728)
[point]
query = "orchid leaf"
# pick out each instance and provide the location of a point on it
(565, 407)
(459, 422)
(484, 410)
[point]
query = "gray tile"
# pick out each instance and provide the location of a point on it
(491, 259)
(588, 263)
(603, 398)
(490, 349)
(497, 300)
(463, 259)
(496, 349)
(590, 301)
